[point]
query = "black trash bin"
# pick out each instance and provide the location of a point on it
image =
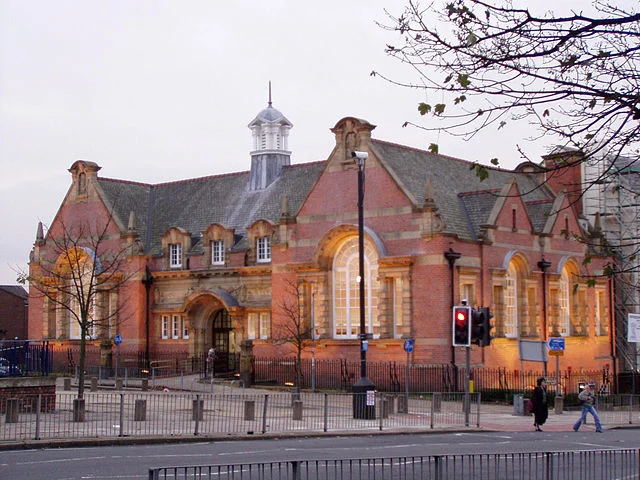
(364, 399)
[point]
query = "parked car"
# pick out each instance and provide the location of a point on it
(7, 369)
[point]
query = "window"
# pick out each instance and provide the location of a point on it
(398, 311)
(165, 327)
(564, 303)
(175, 327)
(263, 249)
(346, 290)
(601, 313)
(217, 252)
(175, 255)
(511, 302)
(258, 325)
(185, 329)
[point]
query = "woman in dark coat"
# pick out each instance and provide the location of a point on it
(539, 402)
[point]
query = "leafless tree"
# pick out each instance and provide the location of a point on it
(294, 327)
(80, 266)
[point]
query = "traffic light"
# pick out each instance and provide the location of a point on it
(477, 326)
(486, 316)
(461, 326)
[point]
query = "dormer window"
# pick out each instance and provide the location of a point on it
(217, 252)
(175, 255)
(263, 249)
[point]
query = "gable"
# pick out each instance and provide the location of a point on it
(511, 211)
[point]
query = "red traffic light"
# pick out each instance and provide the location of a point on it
(461, 326)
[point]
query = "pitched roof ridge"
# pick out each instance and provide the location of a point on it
(118, 180)
(306, 164)
(198, 179)
(479, 192)
(468, 162)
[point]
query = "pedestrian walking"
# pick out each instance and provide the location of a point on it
(211, 361)
(588, 399)
(539, 404)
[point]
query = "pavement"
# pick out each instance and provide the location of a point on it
(493, 417)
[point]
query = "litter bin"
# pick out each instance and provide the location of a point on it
(364, 400)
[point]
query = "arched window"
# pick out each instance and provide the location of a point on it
(510, 326)
(564, 302)
(346, 290)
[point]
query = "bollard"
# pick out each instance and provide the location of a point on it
(140, 412)
(94, 384)
(297, 410)
(13, 408)
(67, 384)
(249, 410)
(198, 409)
(436, 402)
(558, 405)
(386, 406)
(403, 404)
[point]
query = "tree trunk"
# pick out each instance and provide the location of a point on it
(82, 361)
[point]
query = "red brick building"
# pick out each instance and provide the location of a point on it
(228, 255)
(14, 309)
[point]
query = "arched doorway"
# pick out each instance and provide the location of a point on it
(222, 339)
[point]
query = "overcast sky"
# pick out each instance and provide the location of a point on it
(163, 90)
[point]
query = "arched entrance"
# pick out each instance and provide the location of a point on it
(222, 338)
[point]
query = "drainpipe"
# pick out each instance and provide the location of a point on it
(147, 280)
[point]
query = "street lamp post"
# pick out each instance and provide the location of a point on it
(147, 280)
(363, 389)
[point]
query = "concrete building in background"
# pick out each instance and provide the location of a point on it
(218, 260)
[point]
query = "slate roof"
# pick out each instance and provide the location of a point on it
(195, 204)
(463, 201)
(15, 290)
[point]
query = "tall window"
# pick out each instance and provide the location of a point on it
(602, 324)
(165, 327)
(346, 290)
(217, 252)
(564, 303)
(175, 255)
(259, 325)
(398, 311)
(511, 302)
(263, 249)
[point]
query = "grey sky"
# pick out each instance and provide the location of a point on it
(162, 90)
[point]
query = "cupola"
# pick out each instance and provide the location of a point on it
(270, 137)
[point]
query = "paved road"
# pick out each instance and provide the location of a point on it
(133, 462)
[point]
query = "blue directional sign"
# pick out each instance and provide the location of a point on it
(408, 345)
(117, 339)
(556, 343)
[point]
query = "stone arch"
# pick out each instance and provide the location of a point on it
(331, 240)
(200, 308)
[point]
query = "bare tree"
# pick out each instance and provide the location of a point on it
(294, 327)
(575, 78)
(80, 266)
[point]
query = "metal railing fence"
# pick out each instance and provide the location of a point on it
(153, 414)
(579, 465)
(391, 376)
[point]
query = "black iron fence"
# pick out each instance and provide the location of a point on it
(498, 383)
(25, 357)
(591, 464)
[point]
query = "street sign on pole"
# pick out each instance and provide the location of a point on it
(408, 345)
(117, 339)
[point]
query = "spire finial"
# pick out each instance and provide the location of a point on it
(269, 92)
